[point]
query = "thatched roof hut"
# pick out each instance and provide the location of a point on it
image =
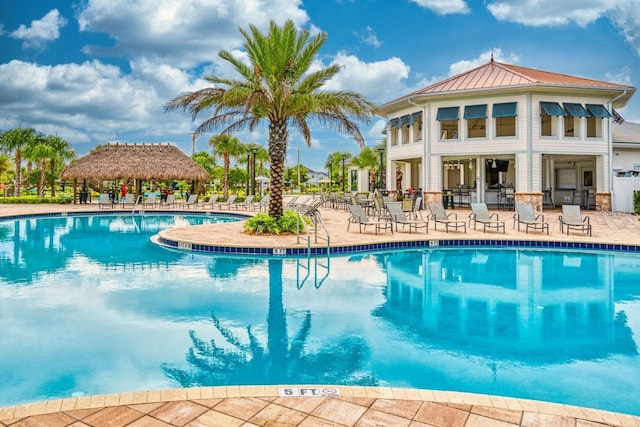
(116, 161)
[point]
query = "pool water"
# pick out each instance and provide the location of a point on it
(89, 306)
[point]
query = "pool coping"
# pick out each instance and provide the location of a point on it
(460, 400)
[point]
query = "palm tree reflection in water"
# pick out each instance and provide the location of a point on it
(281, 362)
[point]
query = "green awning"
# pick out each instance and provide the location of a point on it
(505, 109)
(447, 113)
(475, 112)
(552, 108)
(598, 110)
(414, 117)
(575, 110)
(404, 120)
(393, 123)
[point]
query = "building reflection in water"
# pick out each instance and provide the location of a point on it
(531, 306)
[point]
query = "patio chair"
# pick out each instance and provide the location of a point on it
(572, 218)
(245, 204)
(129, 200)
(192, 201)
(104, 201)
(212, 201)
(360, 217)
(170, 201)
(228, 204)
(526, 215)
(261, 205)
(480, 214)
(150, 201)
(439, 215)
(398, 216)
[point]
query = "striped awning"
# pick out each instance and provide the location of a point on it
(575, 110)
(447, 113)
(505, 109)
(414, 117)
(552, 108)
(475, 112)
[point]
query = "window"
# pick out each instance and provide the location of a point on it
(572, 119)
(448, 118)
(476, 117)
(594, 122)
(504, 115)
(549, 112)
(393, 131)
(415, 120)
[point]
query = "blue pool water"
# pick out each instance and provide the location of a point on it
(89, 306)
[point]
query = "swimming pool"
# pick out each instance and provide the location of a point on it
(89, 306)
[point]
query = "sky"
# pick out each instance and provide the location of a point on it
(97, 71)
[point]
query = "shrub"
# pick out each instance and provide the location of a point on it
(32, 200)
(636, 201)
(262, 223)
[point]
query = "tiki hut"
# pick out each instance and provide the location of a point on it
(139, 162)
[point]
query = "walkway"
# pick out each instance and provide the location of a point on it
(356, 406)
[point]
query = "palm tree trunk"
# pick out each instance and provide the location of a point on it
(52, 164)
(277, 149)
(17, 188)
(43, 175)
(225, 177)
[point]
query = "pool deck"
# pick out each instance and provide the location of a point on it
(356, 406)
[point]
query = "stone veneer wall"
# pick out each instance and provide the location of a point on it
(603, 202)
(533, 199)
(432, 197)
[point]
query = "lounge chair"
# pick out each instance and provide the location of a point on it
(526, 215)
(212, 201)
(261, 205)
(192, 201)
(398, 216)
(245, 204)
(228, 203)
(104, 201)
(439, 215)
(480, 214)
(359, 216)
(572, 218)
(151, 201)
(170, 201)
(129, 200)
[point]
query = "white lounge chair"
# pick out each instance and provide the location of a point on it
(228, 203)
(399, 217)
(359, 216)
(169, 202)
(572, 218)
(246, 204)
(480, 214)
(150, 201)
(192, 201)
(527, 216)
(105, 201)
(439, 215)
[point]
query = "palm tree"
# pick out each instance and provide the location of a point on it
(39, 152)
(277, 88)
(334, 162)
(62, 152)
(226, 146)
(368, 158)
(15, 141)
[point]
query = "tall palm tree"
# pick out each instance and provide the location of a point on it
(368, 158)
(226, 146)
(39, 152)
(62, 152)
(15, 141)
(277, 88)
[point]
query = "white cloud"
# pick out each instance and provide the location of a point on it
(469, 64)
(188, 32)
(377, 81)
(41, 31)
(624, 14)
(444, 7)
(621, 77)
(91, 102)
(369, 37)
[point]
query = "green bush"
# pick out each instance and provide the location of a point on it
(262, 223)
(636, 201)
(32, 200)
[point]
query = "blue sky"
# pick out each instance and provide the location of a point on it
(93, 71)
